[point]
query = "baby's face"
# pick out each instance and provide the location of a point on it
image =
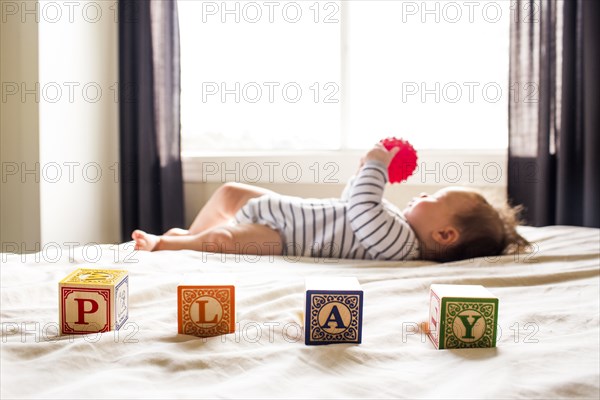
(428, 213)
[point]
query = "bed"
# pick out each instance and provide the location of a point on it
(548, 345)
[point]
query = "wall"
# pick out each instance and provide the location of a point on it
(19, 133)
(79, 130)
(67, 128)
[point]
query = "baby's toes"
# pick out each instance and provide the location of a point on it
(140, 244)
(137, 234)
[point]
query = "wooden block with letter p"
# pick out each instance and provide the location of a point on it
(462, 316)
(206, 306)
(333, 311)
(93, 300)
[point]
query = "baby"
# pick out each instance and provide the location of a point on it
(452, 224)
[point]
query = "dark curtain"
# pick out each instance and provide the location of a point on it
(554, 150)
(149, 73)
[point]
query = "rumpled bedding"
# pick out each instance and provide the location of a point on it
(548, 339)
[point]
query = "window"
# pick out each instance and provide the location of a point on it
(334, 75)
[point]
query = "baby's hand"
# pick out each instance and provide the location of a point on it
(381, 154)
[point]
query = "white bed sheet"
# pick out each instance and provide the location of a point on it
(548, 315)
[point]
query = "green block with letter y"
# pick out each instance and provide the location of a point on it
(458, 321)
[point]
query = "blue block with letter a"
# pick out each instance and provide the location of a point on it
(333, 313)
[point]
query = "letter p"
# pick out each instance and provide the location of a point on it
(408, 8)
(9, 169)
(9, 329)
(9, 8)
(9, 89)
(209, 169)
(409, 328)
(409, 88)
(209, 89)
(209, 8)
(81, 310)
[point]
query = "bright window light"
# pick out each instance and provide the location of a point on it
(334, 75)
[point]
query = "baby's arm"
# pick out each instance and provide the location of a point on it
(384, 235)
(346, 192)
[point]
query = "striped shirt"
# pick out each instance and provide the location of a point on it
(359, 225)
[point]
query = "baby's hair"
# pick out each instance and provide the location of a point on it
(511, 218)
(485, 230)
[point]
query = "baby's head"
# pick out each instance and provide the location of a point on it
(458, 223)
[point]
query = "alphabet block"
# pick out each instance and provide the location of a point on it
(333, 311)
(462, 316)
(93, 300)
(206, 309)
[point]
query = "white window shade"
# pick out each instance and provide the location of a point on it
(258, 85)
(408, 69)
(439, 84)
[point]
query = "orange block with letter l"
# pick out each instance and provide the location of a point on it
(93, 300)
(205, 310)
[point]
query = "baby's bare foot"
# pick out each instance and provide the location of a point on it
(177, 232)
(144, 241)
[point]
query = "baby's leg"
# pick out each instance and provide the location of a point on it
(238, 239)
(176, 232)
(223, 204)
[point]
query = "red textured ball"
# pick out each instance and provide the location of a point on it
(404, 162)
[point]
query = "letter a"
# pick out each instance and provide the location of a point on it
(334, 315)
(81, 310)
(202, 313)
